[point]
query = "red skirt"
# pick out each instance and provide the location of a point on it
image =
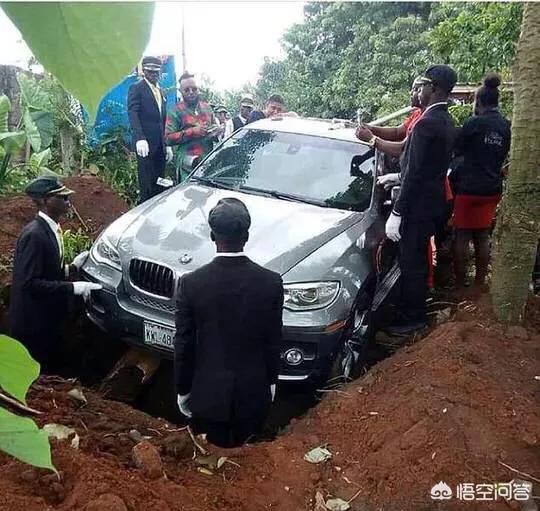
(474, 211)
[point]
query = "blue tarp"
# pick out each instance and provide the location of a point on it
(112, 111)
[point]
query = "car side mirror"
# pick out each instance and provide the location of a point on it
(190, 162)
(357, 162)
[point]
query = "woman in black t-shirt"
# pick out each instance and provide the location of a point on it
(484, 143)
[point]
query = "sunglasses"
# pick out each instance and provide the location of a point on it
(64, 198)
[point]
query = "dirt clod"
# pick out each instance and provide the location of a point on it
(147, 458)
(29, 475)
(106, 502)
(517, 332)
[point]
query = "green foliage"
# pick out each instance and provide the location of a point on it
(232, 98)
(116, 164)
(347, 56)
(19, 436)
(33, 95)
(364, 55)
(38, 162)
(44, 122)
(32, 132)
(476, 37)
(460, 113)
(5, 107)
(14, 181)
(75, 243)
(17, 369)
(37, 119)
(36, 130)
(90, 46)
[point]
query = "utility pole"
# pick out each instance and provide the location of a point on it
(183, 36)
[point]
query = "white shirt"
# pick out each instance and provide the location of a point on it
(230, 254)
(156, 91)
(55, 228)
(229, 127)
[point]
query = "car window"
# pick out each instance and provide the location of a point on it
(336, 172)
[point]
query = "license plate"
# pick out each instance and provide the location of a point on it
(159, 335)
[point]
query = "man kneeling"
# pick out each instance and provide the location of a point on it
(228, 334)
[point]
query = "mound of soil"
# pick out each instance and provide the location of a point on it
(96, 203)
(449, 408)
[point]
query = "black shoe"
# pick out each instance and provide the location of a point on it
(405, 329)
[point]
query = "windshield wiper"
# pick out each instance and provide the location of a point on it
(214, 183)
(284, 195)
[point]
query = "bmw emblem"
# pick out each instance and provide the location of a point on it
(186, 259)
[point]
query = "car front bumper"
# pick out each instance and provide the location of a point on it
(125, 319)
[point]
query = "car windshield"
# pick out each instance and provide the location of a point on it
(304, 168)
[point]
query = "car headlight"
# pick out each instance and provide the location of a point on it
(104, 252)
(306, 296)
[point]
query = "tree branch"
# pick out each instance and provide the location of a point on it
(18, 405)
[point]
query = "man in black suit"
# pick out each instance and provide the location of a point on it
(147, 111)
(40, 292)
(228, 333)
(421, 202)
(246, 107)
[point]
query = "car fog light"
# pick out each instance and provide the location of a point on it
(294, 357)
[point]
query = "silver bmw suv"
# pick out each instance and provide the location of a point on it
(317, 219)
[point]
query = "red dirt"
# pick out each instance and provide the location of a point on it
(449, 408)
(96, 203)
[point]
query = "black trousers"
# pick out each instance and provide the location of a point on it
(413, 262)
(44, 348)
(228, 434)
(149, 169)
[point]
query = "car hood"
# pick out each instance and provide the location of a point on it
(174, 230)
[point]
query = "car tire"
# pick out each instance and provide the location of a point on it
(350, 359)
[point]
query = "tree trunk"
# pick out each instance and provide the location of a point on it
(518, 225)
(67, 146)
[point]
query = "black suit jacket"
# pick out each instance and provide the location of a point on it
(424, 164)
(147, 123)
(484, 142)
(39, 293)
(256, 115)
(228, 334)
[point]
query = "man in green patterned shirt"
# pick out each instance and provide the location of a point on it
(191, 126)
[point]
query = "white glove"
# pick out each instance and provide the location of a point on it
(273, 391)
(389, 180)
(168, 154)
(392, 227)
(183, 405)
(142, 148)
(80, 259)
(85, 288)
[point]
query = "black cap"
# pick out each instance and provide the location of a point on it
(151, 64)
(229, 218)
(442, 76)
(46, 186)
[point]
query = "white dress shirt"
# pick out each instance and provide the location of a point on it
(55, 228)
(230, 254)
(156, 92)
(434, 105)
